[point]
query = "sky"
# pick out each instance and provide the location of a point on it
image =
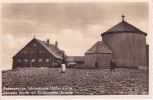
(76, 26)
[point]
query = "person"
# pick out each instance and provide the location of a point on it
(112, 65)
(96, 65)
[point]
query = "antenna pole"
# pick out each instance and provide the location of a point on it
(34, 34)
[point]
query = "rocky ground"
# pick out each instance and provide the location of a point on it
(80, 81)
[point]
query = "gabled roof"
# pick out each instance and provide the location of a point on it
(75, 59)
(51, 48)
(124, 27)
(99, 48)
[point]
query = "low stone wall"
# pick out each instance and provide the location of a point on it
(143, 67)
(134, 67)
(128, 67)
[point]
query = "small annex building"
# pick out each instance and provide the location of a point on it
(75, 61)
(39, 53)
(99, 53)
(70, 62)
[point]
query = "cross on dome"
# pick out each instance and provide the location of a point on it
(122, 17)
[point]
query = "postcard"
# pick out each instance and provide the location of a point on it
(76, 49)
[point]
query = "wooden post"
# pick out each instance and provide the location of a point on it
(63, 65)
(96, 56)
(30, 62)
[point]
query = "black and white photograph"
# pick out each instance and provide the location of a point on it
(75, 49)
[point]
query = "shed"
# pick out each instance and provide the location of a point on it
(75, 61)
(70, 62)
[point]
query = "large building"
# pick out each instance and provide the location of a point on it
(39, 53)
(126, 43)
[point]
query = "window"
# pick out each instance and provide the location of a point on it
(47, 60)
(25, 60)
(33, 60)
(18, 60)
(41, 51)
(34, 44)
(40, 60)
(31, 52)
(61, 61)
(24, 52)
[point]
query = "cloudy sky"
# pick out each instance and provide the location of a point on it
(76, 26)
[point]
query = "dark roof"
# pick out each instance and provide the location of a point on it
(51, 48)
(99, 47)
(79, 58)
(75, 58)
(124, 27)
(70, 58)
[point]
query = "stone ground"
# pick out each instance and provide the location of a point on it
(82, 81)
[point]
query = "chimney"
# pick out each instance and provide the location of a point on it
(56, 44)
(48, 42)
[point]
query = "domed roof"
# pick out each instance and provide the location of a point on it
(124, 27)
